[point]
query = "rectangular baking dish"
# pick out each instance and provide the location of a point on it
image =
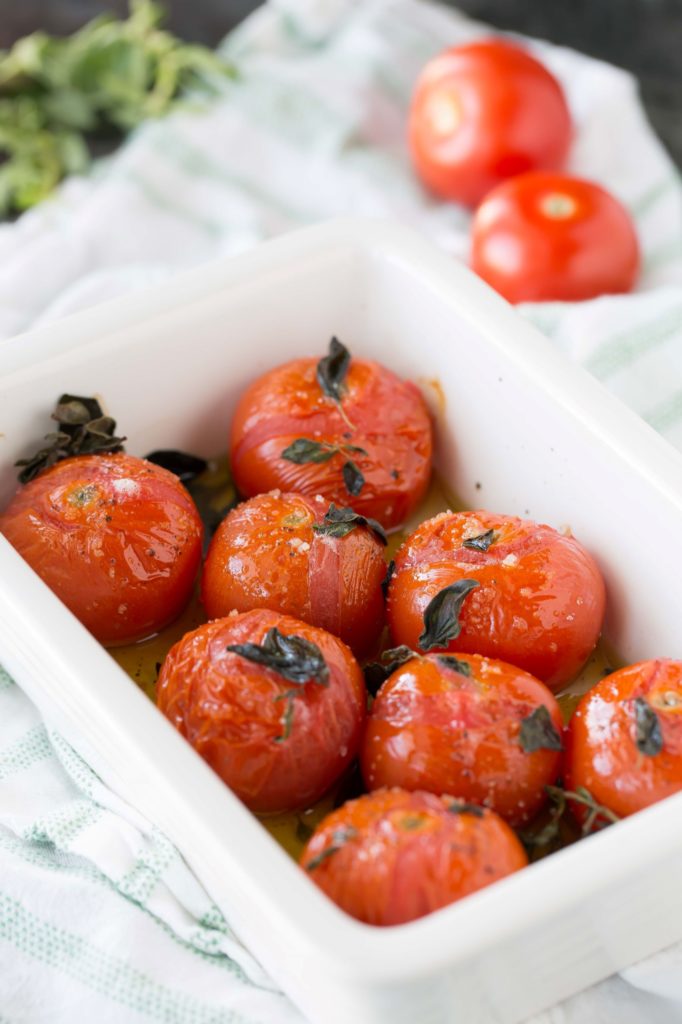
(521, 431)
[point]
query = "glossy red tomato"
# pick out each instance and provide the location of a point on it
(392, 856)
(117, 539)
(481, 729)
(624, 742)
(378, 413)
(280, 551)
(547, 237)
(538, 598)
(279, 743)
(482, 113)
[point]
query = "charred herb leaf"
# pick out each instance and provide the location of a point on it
(376, 672)
(339, 839)
(186, 467)
(538, 732)
(83, 430)
(338, 522)
(292, 657)
(385, 583)
(441, 618)
(456, 664)
(332, 370)
(480, 543)
(462, 807)
(304, 450)
(648, 735)
(353, 478)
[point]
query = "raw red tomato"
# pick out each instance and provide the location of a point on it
(479, 728)
(545, 237)
(302, 557)
(624, 742)
(274, 705)
(482, 113)
(392, 856)
(355, 434)
(117, 539)
(534, 597)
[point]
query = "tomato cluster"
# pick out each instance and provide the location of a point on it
(489, 124)
(455, 728)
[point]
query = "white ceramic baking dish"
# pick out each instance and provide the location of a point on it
(522, 431)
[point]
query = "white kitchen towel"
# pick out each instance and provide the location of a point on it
(100, 919)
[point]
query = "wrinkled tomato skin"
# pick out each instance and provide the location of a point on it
(407, 854)
(482, 113)
(551, 237)
(266, 554)
(432, 728)
(601, 751)
(540, 600)
(116, 538)
(390, 421)
(232, 711)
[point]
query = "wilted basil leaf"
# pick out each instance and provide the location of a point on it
(353, 478)
(456, 664)
(332, 370)
(538, 732)
(338, 522)
(291, 656)
(462, 807)
(304, 450)
(480, 543)
(376, 673)
(648, 735)
(185, 467)
(339, 839)
(441, 618)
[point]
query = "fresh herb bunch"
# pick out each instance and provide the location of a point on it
(58, 94)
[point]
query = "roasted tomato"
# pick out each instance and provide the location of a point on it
(392, 856)
(545, 237)
(482, 729)
(355, 434)
(299, 556)
(481, 113)
(516, 590)
(274, 705)
(624, 742)
(117, 538)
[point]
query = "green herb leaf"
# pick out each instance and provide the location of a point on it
(538, 732)
(376, 673)
(385, 583)
(292, 657)
(456, 664)
(441, 618)
(185, 467)
(304, 450)
(648, 735)
(83, 430)
(332, 370)
(338, 522)
(480, 543)
(339, 839)
(353, 478)
(462, 807)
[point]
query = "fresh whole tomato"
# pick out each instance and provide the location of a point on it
(370, 447)
(536, 597)
(296, 555)
(624, 742)
(544, 237)
(481, 113)
(392, 856)
(279, 724)
(481, 729)
(116, 538)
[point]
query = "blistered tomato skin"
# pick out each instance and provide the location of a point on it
(540, 599)
(391, 856)
(117, 539)
(438, 729)
(602, 750)
(481, 113)
(388, 418)
(233, 711)
(267, 554)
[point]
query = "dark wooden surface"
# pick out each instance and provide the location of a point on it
(644, 36)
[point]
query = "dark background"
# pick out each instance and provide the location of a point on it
(644, 36)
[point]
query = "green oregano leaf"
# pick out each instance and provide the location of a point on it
(338, 522)
(441, 618)
(538, 732)
(353, 478)
(456, 664)
(339, 839)
(332, 370)
(292, 657)
(304, 450)
(648, 734)
(480, 543)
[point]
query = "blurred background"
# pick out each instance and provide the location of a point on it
(643, 36)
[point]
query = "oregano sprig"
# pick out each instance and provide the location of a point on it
(305, 450)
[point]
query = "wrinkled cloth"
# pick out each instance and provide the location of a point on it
(100, 918)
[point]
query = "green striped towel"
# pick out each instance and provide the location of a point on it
(100, 919)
